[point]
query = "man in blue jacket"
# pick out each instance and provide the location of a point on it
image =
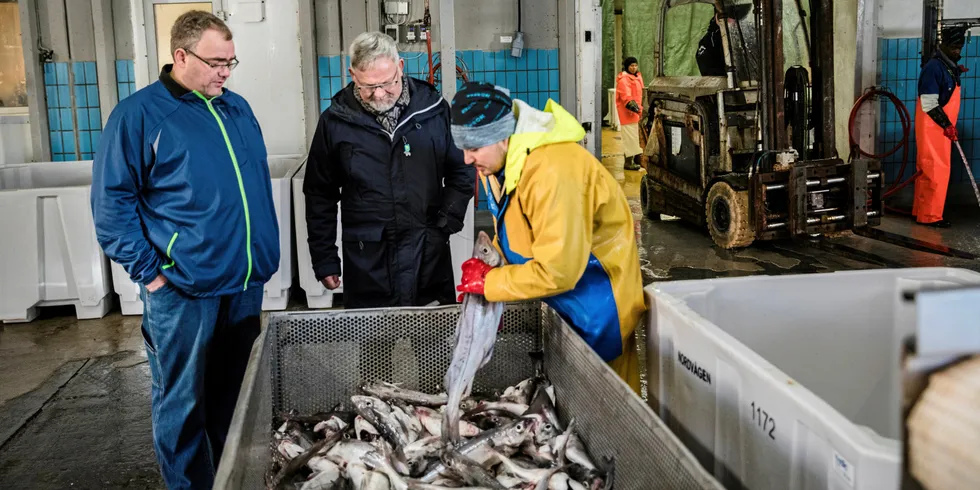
(182, 199)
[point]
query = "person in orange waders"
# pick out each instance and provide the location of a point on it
(935, 127)
(629, 104)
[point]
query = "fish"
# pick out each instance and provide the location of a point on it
(389, 392)
(482, 447)
(326, 475)
(473, 407)
(379, 415)
(561, 481)
(426, 486)
(364, 479)
(291, 469)
(348, 452)
(406, 417)
(432, 421)
(522, 392)
(333, 424)
(395, 445)
(476, 333)
(380, 461)
(361, 426)
(471, 471)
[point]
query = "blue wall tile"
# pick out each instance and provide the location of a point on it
(49, 75)
(899, 67)
(67, 124)
(78, 69)
(61, 70)
(80, 96)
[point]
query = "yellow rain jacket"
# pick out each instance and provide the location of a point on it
(566, 230)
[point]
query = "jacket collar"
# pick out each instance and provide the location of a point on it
(175, 88)
(344, 104)
(953, 68)
(536, 128)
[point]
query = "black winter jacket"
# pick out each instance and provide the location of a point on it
(401, 196)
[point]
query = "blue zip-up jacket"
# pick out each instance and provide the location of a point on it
(181, 187)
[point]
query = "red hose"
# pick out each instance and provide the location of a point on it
(906, 119)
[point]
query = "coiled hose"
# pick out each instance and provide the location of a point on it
(906, 119)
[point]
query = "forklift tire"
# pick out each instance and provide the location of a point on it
(645, 205)
(727, 212)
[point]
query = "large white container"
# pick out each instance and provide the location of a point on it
(317, 295)
(48, 251)
(788, 382)
(276, 294)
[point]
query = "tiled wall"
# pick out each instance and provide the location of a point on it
(900, 63)
(533, 78)
(88, 117)
(125, 78)
(74, 117)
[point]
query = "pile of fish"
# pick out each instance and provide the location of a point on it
(392, 438)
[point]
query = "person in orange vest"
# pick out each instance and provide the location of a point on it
(629, 105)
(935, 127)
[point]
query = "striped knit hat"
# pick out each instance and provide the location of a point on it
(481, 115)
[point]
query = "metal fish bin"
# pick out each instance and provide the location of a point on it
(311, 361)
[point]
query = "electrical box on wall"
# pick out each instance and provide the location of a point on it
(249, 10)
(396, 8)
(392, 31)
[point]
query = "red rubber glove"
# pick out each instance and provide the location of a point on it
(950, 133)
(474, 275)
(963, 69)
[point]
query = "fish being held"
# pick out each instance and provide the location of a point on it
(476, 333)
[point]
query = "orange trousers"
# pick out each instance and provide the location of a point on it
(932, 158)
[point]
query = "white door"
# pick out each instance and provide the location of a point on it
(152, 21)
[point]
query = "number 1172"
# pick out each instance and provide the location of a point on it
(764, 421)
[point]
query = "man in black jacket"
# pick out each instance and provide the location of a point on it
(384, 151)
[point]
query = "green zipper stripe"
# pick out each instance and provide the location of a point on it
(241, 186)
(170, 247)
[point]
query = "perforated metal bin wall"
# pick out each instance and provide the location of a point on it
(310, 361)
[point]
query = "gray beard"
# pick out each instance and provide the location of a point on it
(389, 114)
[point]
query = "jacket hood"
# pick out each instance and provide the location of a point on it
(536, 128)
(629, 76)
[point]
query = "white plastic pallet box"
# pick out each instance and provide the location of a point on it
(788, 382)
(50, 255)
(282, 168)
(317, 295)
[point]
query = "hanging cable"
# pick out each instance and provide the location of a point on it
(906, 119)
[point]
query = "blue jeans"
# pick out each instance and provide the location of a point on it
(198, 349)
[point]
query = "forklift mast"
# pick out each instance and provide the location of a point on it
(769, 16)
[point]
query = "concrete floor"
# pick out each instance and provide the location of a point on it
(74, 396)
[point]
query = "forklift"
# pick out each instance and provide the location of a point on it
(751, 154)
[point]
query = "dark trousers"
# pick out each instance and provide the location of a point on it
(198, 349)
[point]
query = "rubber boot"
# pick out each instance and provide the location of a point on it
(632, 163)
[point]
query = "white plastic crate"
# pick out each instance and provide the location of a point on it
(48, 251)
(788, 382)
(276, 294)
(317, 295)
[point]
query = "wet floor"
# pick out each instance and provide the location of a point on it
(74, 395)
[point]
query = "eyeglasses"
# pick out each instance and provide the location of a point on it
(230, 65)
(388, 86)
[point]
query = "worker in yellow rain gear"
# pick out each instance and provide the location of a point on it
(562, 221)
